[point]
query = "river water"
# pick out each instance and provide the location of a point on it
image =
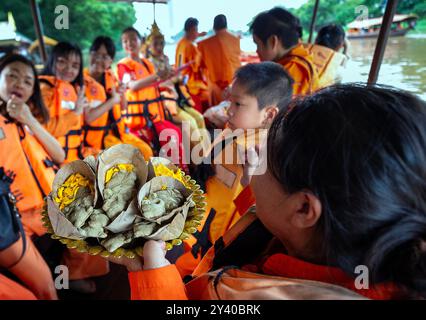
(403, 66)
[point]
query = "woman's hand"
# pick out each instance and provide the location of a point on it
(82, 102)
(164, 74)
(19, 111)
(154, 256)
(115, 97)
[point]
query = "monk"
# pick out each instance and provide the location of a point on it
(188, 53)
(277, 34)
(221, 55)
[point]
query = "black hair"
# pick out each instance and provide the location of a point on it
(104, 41)
(278, 22)
(39, 110)
(190, 23)
(64, 49)
(331, 36)
(268, 82)
(361, 150)
(220, 22)
(131, 29)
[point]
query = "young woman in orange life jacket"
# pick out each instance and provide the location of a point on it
(64, 94)
(328, 211)
(29, 153)
(147, 121)
(105, 127)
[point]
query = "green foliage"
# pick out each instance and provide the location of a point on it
(343, 11)
(87, 19)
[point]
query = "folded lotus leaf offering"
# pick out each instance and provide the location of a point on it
(117, 201)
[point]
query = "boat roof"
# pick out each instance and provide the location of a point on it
(366, 23)
(7, 33)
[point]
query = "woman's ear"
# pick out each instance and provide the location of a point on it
(307, 211)
(273, 42)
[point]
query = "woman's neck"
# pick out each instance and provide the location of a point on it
(135, 56)
(282, 52)
(95, 75)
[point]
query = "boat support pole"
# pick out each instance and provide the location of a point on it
(314, 18)
(382, 41)
(39, 30)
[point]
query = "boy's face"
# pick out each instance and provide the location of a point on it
(192, 34)
(265, 51)
(131, 43)
(244, 111)
(16, 79)
(67, 68)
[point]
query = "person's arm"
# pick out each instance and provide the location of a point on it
(22, 113)
(91, 114)
(32, 270)
(155, 278)
(146, 82)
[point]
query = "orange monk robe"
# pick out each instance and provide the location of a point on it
(186, 52)
(299, 64)
(221, 55)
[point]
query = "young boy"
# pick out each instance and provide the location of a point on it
(277, 34)
(259, 92)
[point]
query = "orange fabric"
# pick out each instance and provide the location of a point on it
(32, 270)
(300, 66)
(128, 138)
(11, 290)
(186, 51)
(327, 63)
(83, 265)
(138, 71)
(245, 200)
(221, 191)
(95, 94)
(221, 55)
(60, 98)
(290, 267)
(14, 160)
(41, 163)
(32, 223)
(111, 82)
(117, 131)
(157, 284)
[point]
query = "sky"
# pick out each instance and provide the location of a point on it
(171, 18)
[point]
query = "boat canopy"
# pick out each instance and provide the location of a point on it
(367, 23)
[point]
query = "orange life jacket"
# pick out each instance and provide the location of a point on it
(94, 132)
(65, 98)
(327, 63)
(221, 191)
(115, 114)
(143, 105)
(244, 244)
(29, 163)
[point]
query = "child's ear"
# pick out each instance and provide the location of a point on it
(269, 115)
(307, 210)
(273, 42)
